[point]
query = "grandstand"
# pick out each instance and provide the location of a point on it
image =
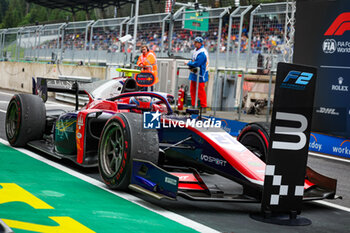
(99, 42)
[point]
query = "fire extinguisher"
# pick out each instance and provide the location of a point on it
(181, 98)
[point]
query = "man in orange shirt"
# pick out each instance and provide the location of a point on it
(148, 61)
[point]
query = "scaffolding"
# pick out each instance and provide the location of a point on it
(267, 30)
(289, 32)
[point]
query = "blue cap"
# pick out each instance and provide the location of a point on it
(199, 39)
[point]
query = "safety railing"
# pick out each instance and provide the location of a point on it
(49, 47)
(270, 34)
(235, 35)
(150, 31)
(188, 24)
(178, 68)
(27, 42)
(267, 35)
(74, 41)
(104, 43)
(10, 43)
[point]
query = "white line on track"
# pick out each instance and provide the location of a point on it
(333, 205)
(165, 213)
(329, 157)
(2, 111)
(5, 93)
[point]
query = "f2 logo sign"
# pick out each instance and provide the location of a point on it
(300, 78)
(340, 25)
(298, 132)
(296, 80)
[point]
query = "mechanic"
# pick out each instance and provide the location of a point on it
(148, 61)
(200, 59)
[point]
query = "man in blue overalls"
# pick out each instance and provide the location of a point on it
(200, 59)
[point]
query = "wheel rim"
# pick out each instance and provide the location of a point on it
(112, 150)
(12, 120)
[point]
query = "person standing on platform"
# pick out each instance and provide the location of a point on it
(200, 60)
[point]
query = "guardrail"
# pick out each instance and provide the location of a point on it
(178, 68)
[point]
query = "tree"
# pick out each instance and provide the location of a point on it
(3, 8)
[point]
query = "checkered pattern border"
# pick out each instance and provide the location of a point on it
(283, 189)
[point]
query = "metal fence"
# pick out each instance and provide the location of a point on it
(10, 46)
(210, 30)
(237, 38)
(270, 34)
(28, 42)
(104, 45)
(269, 42)
(75, 40)
(267, 30)
(49, 46)
(244, 88)
(150, 31)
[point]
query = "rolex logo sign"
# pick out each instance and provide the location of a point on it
(340, 86)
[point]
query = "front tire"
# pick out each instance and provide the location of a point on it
(25, 119)
(122, 140)
(256, 137)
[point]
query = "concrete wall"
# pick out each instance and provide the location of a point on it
(18, 75)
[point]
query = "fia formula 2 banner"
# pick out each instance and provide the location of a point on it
(322, 39)
(290, 135)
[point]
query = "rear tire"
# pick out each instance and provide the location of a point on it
(25, 119)
(256, 137)
(122, 140)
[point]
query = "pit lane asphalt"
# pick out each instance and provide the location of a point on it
(234, 217)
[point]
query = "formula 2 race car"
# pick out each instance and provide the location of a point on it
(163, 162)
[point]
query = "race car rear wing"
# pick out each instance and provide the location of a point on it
(65, 84)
